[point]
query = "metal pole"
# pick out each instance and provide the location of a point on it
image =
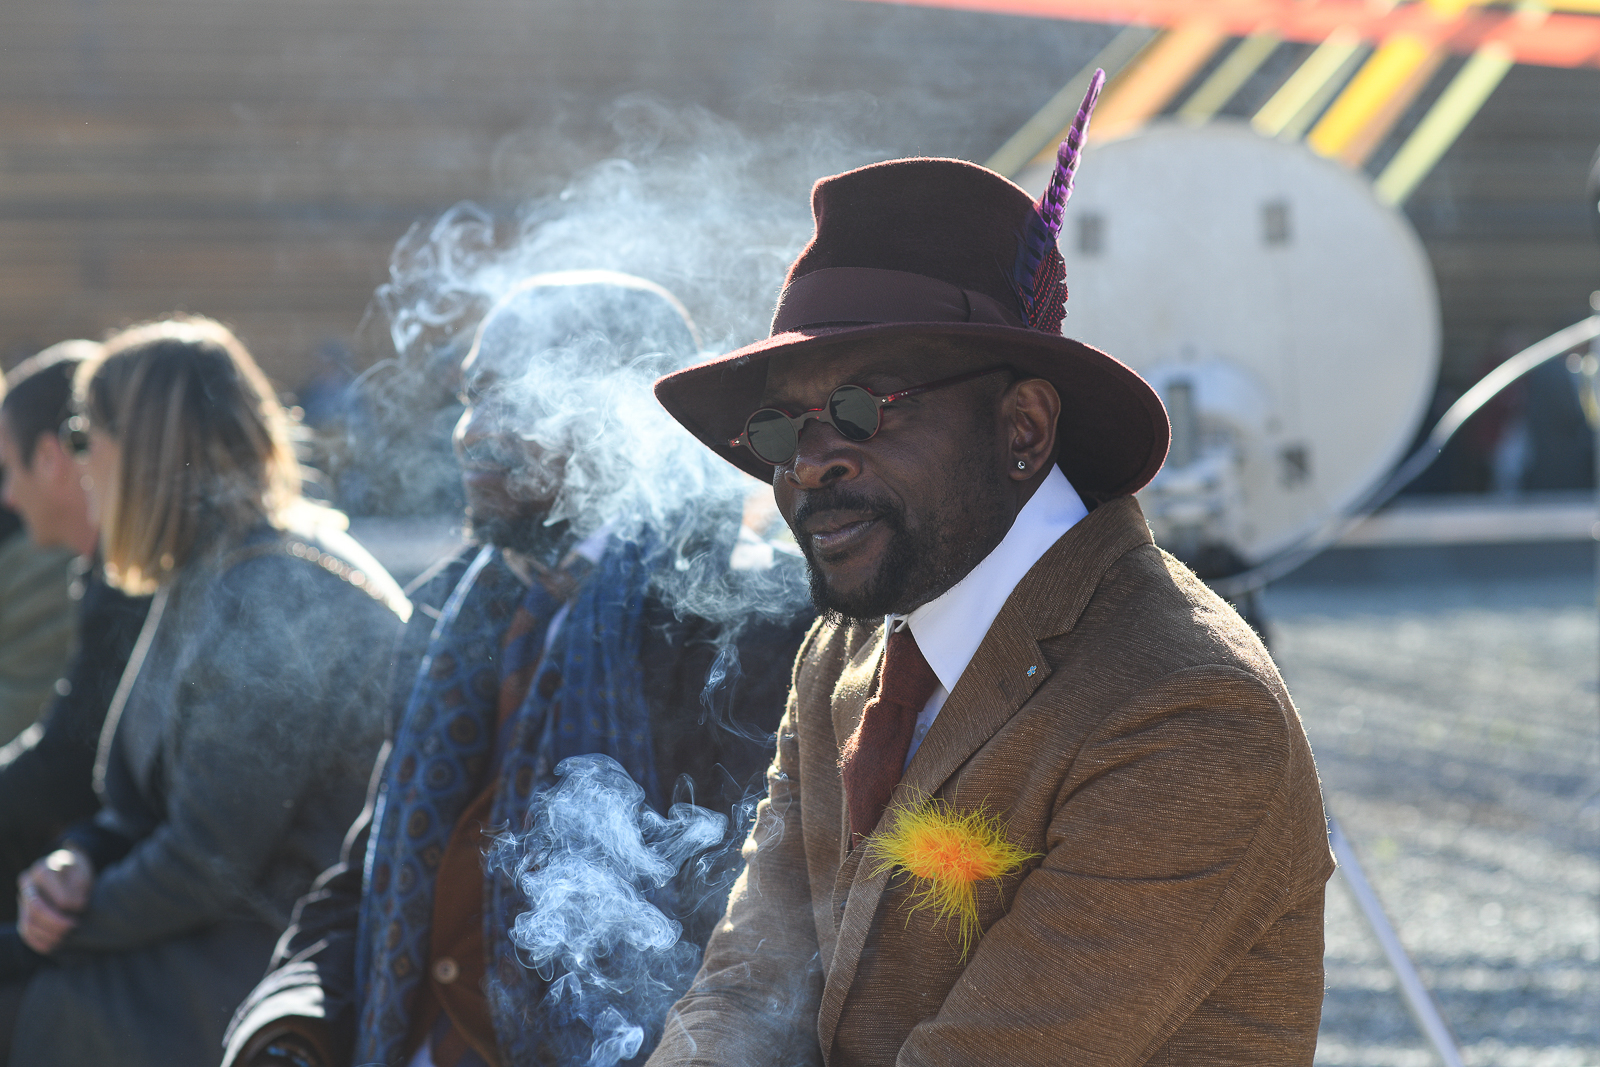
(1557, 344)
(1589, 367)
(1416, 994)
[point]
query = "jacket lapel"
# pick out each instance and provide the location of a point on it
(856, 685)
(1009, 666)
(1005, 671)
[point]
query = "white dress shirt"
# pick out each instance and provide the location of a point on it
(950, 627)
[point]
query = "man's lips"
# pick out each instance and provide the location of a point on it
(833, 532)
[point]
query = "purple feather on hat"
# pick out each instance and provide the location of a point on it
(1040, 274)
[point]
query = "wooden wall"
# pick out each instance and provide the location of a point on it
(257, 161)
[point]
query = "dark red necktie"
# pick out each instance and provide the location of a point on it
(874, 755)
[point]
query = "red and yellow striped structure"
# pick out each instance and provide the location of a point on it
(1565, 33)
(1373, 59)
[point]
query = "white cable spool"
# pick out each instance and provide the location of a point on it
(1289, 320)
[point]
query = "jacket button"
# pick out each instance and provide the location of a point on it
(445, 970)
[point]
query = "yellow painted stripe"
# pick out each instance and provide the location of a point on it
(1215, 92)
(1036, 134)
(1378, 79)
(1155, 78)
(1301, 121)
(1366, 141)
(1439, 128)
(1319, 67)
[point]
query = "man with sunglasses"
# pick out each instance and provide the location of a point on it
(45, 773)
(36, 616)
(1040, 797)
(532, 646)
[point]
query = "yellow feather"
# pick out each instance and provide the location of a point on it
(947, 853)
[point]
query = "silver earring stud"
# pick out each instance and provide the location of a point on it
(1022, 464)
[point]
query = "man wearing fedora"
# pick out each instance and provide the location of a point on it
(1039, 795)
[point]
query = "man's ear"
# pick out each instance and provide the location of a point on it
(50, 461)
(1029, 413)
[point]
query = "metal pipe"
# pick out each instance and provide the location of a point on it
(1557, 344)
(1416, 994)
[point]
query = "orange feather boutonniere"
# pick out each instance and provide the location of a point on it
(946, 852)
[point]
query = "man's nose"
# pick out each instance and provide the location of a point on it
(462, 436)
(825, 456)
(478, 424)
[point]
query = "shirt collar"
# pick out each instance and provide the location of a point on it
(950, 627)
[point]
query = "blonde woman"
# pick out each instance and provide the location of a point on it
(238, 746)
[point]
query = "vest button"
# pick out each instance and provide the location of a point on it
(446, 970)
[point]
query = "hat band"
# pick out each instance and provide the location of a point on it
(835, 295)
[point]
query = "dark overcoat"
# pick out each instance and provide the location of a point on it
(234, 756)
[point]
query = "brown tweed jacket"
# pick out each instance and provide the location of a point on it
(1155, 763)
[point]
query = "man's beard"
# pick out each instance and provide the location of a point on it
(529, 535)
(916, 566)
(896, 569)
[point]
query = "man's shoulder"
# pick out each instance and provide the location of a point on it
(1152, 634)
(1152, 600)
(102, 600)
(1116, 614)
(429, 590)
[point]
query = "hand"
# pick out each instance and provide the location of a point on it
(280, 1046)
(286, 1051)
(50, 896)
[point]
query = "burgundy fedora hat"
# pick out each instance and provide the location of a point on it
(939, 248)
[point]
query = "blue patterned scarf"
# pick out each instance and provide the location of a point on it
(587, 696)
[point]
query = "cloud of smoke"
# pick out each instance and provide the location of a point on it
(691, 203)
(606, 878)
(619, 895)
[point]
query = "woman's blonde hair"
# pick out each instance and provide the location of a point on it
(205, 446)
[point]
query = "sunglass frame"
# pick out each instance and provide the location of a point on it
(824, 414)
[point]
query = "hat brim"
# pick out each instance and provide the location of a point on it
(1112, 435)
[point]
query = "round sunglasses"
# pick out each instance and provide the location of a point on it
(74, 435)
(854, 410)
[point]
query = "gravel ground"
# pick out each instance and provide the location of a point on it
(1451, 699)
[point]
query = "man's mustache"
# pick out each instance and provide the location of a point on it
(491, 452)
(840, 498)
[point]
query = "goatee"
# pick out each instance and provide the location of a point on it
(915, 566)
(960, 522)
(529, 536)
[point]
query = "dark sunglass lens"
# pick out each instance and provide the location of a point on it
(771, 435)
(75, 435)
(854, 412)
